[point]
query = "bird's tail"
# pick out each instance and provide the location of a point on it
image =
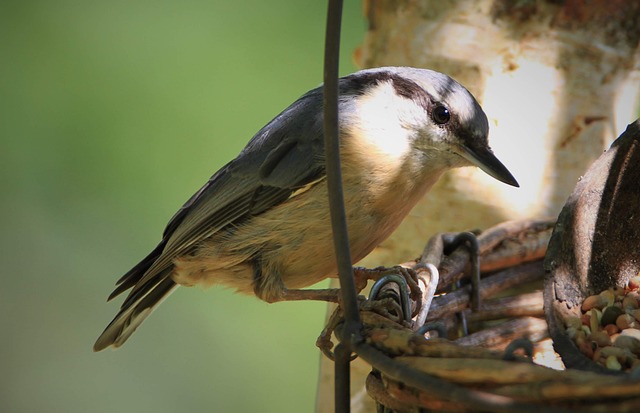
(140, 302)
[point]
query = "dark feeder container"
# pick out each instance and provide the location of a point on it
(596, 241)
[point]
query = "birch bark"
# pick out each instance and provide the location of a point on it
(559, 81)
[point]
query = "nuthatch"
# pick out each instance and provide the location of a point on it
(261, 223)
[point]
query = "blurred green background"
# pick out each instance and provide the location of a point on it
(112, 113)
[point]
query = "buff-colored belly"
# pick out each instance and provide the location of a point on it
(292, 242)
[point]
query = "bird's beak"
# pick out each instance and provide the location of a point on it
(484, 159)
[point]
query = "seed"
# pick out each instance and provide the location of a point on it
(629, 343)
(594, 321)
(585, 318)
(601, 338)
(617, 352)
(625, 321)
(634, 282)
(632, 332)
(594, 301)
(611, 329)
(608, 296)
(612, 363)
(610, 314)
(629, 302)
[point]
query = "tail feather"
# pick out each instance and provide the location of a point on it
(134, 275)
(140, 302)
(133, 314)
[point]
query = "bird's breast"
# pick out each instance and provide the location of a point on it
(294, 240)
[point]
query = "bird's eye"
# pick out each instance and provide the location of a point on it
(440, 115)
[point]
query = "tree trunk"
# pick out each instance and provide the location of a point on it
(559, 81)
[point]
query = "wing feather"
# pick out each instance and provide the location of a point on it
(282, 157)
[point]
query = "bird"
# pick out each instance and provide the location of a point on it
(261, 225)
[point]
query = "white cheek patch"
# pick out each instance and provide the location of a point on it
(388, 121)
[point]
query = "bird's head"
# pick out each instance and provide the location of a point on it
(426, 116)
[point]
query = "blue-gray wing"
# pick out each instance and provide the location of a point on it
(285, 155)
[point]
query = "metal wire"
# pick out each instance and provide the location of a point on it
(352, 325)
(334, 176)
(405, 302)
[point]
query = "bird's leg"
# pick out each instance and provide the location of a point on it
(269, 287)
(272, 289)
(331, 295)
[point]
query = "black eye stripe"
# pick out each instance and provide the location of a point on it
(404, 87)
(440, 114)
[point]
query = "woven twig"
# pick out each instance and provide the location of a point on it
(512, 253)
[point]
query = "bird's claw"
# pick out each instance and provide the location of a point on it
(386, 300)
